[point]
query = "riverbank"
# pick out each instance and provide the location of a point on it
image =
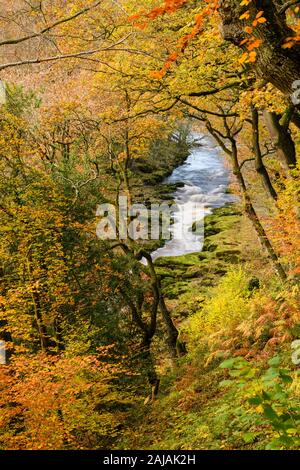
(149, 176)
(220, 300)
(226, 302)
(205, 180)
(195, 272)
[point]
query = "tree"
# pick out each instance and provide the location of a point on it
(60, 402)
(274, 61)
(49, 27)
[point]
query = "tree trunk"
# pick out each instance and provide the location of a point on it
(171, 328)
(174, 345)
(249, 208)
(276, 65)
(152, 376)
(259, 165)
(6, 337)
(45, 341)
(250, 211)
(282, 140)
(148, 330)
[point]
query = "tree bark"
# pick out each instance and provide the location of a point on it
(282, 140)
(249, 208)
(148, 330)
(174, 345)
(148, 361)
(259, 164)
(276, 65)
(250, 211)
(45, 341)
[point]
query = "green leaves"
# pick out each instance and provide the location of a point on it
(228, 364)
(237, 362)
(225, 383)
(275, 361)
(268, 397)
(255, 400)
(250, 437)
(285, 377)
(270, 413)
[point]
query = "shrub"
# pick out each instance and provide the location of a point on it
(226, 307)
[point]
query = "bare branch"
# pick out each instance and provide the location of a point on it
(288, 5)
(205, 111)
(50, 27)
(213, 91)
(76, 55)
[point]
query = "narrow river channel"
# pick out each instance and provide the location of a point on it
(206, 179)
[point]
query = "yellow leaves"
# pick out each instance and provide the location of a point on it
(285, 227)
(259, 409)
(170, 6)
(248, 57)
(263, 97)
(161, 73)
(245, 15)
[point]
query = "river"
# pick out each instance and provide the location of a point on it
(206, 180)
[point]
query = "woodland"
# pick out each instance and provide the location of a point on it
(102, 351)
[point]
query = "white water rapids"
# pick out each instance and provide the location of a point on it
(205, 179)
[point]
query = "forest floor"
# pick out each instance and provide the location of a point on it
(192, 410)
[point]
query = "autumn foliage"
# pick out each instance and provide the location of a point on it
(100, 100)
(58, 402)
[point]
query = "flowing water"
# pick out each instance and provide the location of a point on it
(205, 179)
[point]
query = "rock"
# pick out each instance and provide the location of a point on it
(193, 272)
(253, 284)
(232, 256)
(211, 229)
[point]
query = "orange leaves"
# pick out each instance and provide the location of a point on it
(253, 42)
(248, 30)
(159, 74)
(251, 55)
(56, 402)
(170, 6)
(259, 19)
(291, 41)
(183, 42)
(248, 57)
(295, 25)
(245, 16)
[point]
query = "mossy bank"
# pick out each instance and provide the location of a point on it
(220, 305)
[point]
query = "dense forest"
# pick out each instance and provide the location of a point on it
(103, 345)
